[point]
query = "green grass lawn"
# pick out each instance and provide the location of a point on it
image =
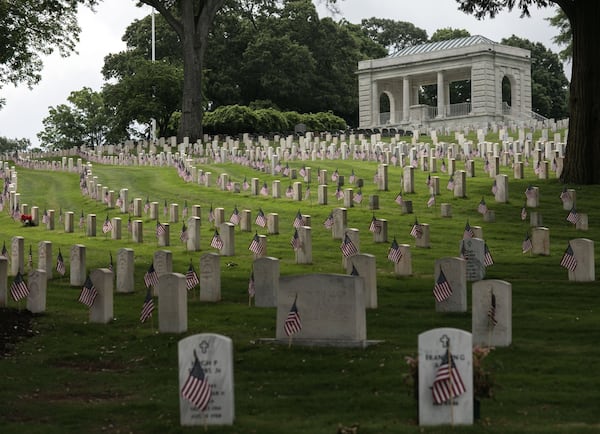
(71, 376)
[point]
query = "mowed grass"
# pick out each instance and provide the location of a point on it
(72, 376)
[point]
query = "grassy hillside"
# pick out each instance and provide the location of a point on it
(71, 376)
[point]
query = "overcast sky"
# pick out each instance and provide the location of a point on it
(102, 31)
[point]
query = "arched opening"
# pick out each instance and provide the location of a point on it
(506, 95)
(384, 109)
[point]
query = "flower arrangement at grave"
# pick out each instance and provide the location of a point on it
(27, 220)
(483, 379)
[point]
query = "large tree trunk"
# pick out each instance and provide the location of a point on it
(191, 110)
(582, 158)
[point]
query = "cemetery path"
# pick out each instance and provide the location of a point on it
(15, 325)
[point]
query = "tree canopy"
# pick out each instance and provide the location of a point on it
(84, 121)
(32, 28)
(548, 81)
(582, 156)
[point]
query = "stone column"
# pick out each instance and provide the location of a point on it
(441, 97)
(405, 99)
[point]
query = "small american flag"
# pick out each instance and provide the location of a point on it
(261, 220)
(245, 184)
(292, 324)
(295, 241)
(286, 170)
(4, 251)
(191, 278)
(416, 230)
(486, 165)
(251, 285)
(235, 216)
(302, 172)
(339, 194)
(216, 241)
(183, 236)
(45, 217)
(110, 262)
(394, 253)
(88, 293)
(358, 197)
(441, 289)
(298, 220)
(165, 209)
(147, 307)
(431, 201)
(527, 245)
(289, 193)
(487, 256)
(398, 199)
(352, 177)
(494, 188)
(307, 193)
(482, 207)
(347, 247)
(448, 383)
(538, 168)
(256, 246)
(573, 217)
(328, 223)
(81, 220)
(468, 233)
(428, 180)
(530, 193)
(196, 388)
(375, 226)
(335, 176)
(129, 224)
(211, 215)
(492, 311)
(568, 260)
(147, 206)
(160, 229)
(107, 226)
(264, 190)
(450, 185)
(443, 168)
(565, 195)
(523, 213)
(151, 277)
(60, 264)
(184, 212)
(18, 288)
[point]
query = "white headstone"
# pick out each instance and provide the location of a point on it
(492, 313)
(214, 353)
(435, 347)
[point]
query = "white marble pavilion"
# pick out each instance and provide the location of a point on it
(389, 87)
